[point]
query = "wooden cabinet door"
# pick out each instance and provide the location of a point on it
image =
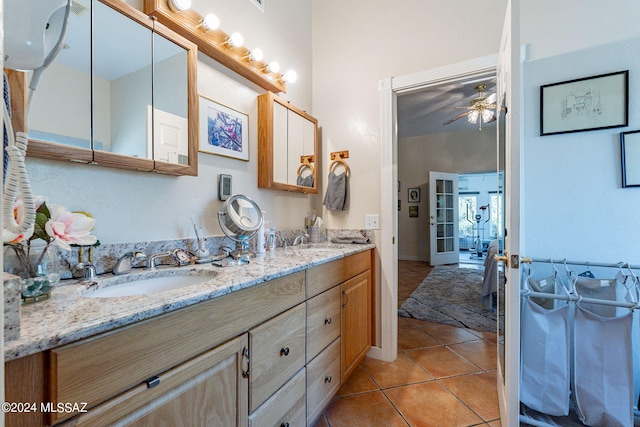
(208, 390)
(355, 332)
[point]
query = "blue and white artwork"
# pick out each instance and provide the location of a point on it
(223, 131)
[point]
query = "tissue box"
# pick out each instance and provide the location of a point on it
(11, 307)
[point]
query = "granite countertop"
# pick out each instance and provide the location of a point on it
(70, 316)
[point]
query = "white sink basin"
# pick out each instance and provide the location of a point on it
(140, 284)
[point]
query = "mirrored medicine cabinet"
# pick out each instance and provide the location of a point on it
(287, 146)
(122, 93)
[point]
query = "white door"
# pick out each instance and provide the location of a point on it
(509, 141)
(443, 218)
(168, 139)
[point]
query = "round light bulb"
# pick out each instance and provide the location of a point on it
(256, 55)
(180, 5)
(273, 67)
(210, 22)
(235, 40)
(290, 77)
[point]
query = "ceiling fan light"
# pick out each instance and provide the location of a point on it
(488, 115)
(473, 116)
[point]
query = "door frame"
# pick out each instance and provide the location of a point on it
(389, 89)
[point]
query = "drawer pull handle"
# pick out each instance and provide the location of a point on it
(284, 425)
(346, 298)
(152, 382)
(327, 321)
(284, 351)
(245, 356)
(328, 379)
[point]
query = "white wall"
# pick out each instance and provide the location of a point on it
(573, 204)
(551, 27)
(461, 151)
(358, 43)
(133, 206)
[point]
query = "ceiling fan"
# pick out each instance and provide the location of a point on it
(480, 110)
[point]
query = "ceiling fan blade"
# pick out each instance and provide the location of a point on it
(459, 116)
(491, 98)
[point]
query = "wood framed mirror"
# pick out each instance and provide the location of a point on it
(287, 146)
(121, 94)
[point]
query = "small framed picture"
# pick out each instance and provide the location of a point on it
(223, 130)
(414, 195)
(413, 211)
(224, 186)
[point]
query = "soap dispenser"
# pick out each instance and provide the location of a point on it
(271, 239)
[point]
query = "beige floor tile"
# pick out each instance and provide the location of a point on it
(412, 338)
(448, 334)
(495, 423)
(482, 353)
(392, 374)
(442, 362)
(430, 404)
(358, 382)
(363, 410)
(478, 392)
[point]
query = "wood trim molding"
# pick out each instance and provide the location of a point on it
(212, 44)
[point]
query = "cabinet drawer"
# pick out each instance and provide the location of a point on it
(323, 321)
(326, 276)
(277, 353)
(98, 368)
(286, 407)
(207, 390)
(323, 380)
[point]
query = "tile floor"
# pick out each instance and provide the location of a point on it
(444, 376)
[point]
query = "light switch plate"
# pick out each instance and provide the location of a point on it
(371, 222)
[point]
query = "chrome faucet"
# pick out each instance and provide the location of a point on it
(128, 261)
(299, 240)
(151, 262)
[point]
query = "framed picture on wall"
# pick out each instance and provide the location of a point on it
(590, 103)
(413, 211)
(223, 130)
(630, 153)
(413, 195)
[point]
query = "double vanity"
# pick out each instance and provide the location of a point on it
(263, 344)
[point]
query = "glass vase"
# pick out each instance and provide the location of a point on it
(38, 268)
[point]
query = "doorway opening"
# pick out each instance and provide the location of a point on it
(479, 215)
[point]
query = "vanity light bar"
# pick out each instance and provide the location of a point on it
(216, 44)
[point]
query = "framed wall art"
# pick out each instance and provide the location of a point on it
(413, 195)
(413, 211)
(590, 103)
(630, 154)
(223, 130)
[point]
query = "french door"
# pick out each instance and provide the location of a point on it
(443, 218)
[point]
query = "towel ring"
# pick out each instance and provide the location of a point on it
(343, 163)
(305, 165)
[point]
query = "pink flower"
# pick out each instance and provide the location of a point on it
(67, 228)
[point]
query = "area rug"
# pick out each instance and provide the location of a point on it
(451, 295)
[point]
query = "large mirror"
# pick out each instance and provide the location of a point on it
(287, 146)
(121, 94)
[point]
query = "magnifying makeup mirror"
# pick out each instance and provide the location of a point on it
(240, 219)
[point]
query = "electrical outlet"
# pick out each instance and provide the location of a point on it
(371, 221)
